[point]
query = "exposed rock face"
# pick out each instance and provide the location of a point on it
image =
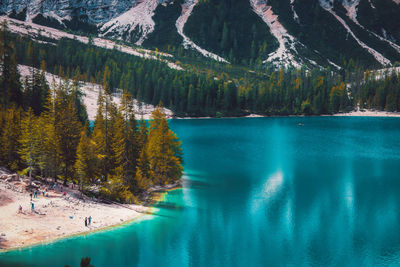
(291, 24)
(95, 11)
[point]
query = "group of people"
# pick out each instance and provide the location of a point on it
(34, 193)
(88, 221)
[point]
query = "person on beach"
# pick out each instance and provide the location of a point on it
(90, 220)
(20, 209)
(86, 221)
(32, 206)
(30, 195)
(35, 193)
(44, 192)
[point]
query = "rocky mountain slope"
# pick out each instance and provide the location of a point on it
(279, 32)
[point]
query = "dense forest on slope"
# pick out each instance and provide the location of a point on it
(231, 29)
(372, 41)
(165, 34)
(44, 132)
(214, 89)
(382, 18)
(320, 31)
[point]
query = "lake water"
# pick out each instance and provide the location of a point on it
(258, 192)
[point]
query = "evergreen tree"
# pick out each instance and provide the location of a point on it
(10, 86)
(67, 129)
(10, 132)
(86, 161)
(163, 150)
(50, 149)
(29, 140)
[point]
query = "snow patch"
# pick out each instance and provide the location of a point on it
(371, 4)
(91, 93)
(295, 16)
(333, 64)
(283, 54)
(326, 4)
(187, 8)
(351, 7)
(137, 19)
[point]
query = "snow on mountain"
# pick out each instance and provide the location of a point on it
(136, 23)
(187, 8)
(285, 52)
(34, 31)
(295, 16)
(352, 13)
(91, 93)
(96, 11)
(351, 8)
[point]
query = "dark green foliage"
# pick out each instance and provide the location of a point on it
(77, 24)
(80, 24)
(19, 16)
(380, 95)
(384, 16)
(320, 31)
(211, 89)
(230, 28)
(10, 85)
(165, 35)
(48, 21)
(370, 40)
(36, 92)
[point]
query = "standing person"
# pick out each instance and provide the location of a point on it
(20, 209)
(32, 206)
(85, 221)
(90, 220)
(30, 195)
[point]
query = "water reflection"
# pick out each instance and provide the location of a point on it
(265, 192)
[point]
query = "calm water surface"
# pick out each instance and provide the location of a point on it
(260, 192)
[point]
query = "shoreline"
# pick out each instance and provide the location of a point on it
(36, 236)
(354, 113)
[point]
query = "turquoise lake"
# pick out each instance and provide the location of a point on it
(262, 192)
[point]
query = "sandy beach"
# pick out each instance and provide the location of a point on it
(55, 216)
(369, 113)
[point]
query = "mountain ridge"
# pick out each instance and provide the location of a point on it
(296, 33)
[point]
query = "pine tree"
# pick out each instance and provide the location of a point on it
(9, 138)
(50, 159)
(29, 140)
(225, 37)
(99, 137)
(36, 91)
(143, 177)
(163, 150)
(10, 86)
(131, 135)
(86, 162)
(67, 129)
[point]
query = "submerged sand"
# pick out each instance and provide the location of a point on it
(55, 216)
